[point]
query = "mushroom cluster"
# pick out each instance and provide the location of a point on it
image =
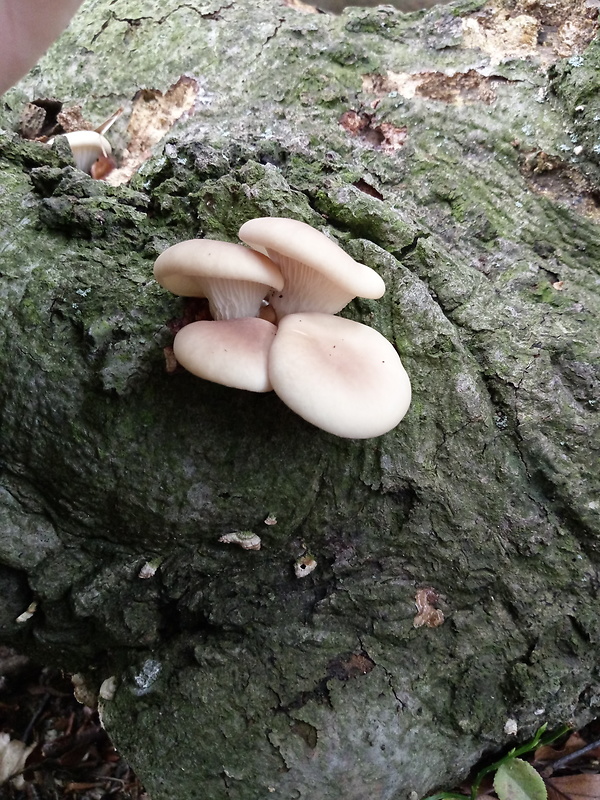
(273, 326)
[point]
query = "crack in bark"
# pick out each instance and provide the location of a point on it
(105, 25)
(275, 32)
(408, 249)
(447, 435)
(578, 629)
(518, 436)
(386, 672)
(136, 22)
(203, 15)
(223, 775)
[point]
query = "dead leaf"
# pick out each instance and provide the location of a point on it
(351, 666)
(428, 615)
(13, 754)
(383, 136)
(574, 787)
(548, 753)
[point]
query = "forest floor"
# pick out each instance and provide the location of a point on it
(55, 744)
(52, 747)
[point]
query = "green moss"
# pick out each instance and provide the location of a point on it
(485, 492)
(545, 292)
(377, 21)
(459, 9)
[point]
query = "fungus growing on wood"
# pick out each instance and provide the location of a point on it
(247, 540)
(341, 376)
(233, 278)
(88, 147)
(319, 275)
(232, 352)
(304, 565)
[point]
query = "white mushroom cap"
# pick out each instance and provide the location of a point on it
(87, 147)
(234, 278)
(319, 275)
(341, 376)
(231, 352)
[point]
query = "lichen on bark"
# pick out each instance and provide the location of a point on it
(450, 152)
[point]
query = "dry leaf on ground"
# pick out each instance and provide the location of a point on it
(574, 787)
(548, 753)
(13, 754)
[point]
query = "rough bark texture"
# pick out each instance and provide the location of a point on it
(456, 153)
(337, 6)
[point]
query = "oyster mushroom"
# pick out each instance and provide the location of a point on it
(234, 279)
(341, 376)
(319, 275)
(88, 147)
(232, 352)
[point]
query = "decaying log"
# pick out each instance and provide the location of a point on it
(455, 152)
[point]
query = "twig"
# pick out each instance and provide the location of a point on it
(561, 762)
(35, 718)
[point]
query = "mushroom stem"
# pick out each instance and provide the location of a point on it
(234, 279)
(318, 275)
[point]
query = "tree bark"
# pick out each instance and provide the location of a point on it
(455, 152)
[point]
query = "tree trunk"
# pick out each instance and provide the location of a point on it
(455, 152)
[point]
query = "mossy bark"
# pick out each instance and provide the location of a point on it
(456, 153)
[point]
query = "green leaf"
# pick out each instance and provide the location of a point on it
(518, 780)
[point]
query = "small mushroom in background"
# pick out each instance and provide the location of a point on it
(233, 278)
(108, 688)
(84, 694)
(319, 275)
(28, 613)
(150, 568)
(339, 375)
(90, 148)
(232, 352)
(304, 565)
(247, 540)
